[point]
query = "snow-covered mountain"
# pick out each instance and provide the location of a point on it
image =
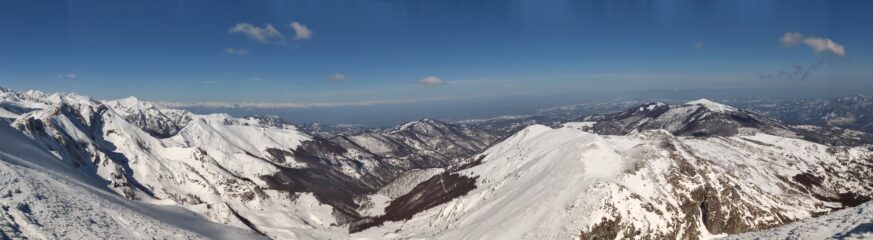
(257, 172)
(42, 197)
(702, 118)
(157, 121)
(545, 183)
(695, 170)
(504, 126)
(853, 112)
(426, 143)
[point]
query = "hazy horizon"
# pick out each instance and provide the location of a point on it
(387, 115)
(366, 53)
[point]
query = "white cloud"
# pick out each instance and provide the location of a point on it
(825, 45)
(236, 51)
(301, 32)
(816, 43)
(791, 38)
(431, 80)
(339, 77)
(266, 34)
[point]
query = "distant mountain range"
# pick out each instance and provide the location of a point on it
(132, 169)
(853, 112)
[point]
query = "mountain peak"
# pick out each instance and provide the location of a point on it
(414, 124)
(651, 106)
(700, 117)
(129, 100)
(430, 121)
(712, 106)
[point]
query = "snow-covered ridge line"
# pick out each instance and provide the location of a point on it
(257, 173)
(210, 164)
(693, 170)
(716, 107)
(706, 118)
(545, 183)
(43, 197)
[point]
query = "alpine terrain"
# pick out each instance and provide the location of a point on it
(75, 167)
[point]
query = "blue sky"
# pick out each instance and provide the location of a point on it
(405, 51)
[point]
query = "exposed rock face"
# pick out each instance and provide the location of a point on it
(157, 121)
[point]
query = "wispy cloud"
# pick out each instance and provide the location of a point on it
(338, 77)
(791, 38)
(796, 72)
(800, 72)
(266, 34)
(67, 76)
(235, 51)
(431, 80)
(816, 43)
(301, 32)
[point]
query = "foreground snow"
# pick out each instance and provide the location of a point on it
(43, 199)
(852, 223)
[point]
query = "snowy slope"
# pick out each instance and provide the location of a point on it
(256, 172)
(696, 170)
(42, 199)
(545, 183)
(158, 121)
(7, 114)
(213, 167)
(851, 223)
(426, 143)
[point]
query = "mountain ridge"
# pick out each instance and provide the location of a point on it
(232, 170)
(704, 168)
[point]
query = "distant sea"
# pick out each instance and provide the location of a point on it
(387, 115)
